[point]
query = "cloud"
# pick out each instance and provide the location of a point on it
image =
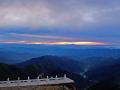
(51, 13)
(55, 43)
(19, 38)
(63, 20)
(35, 37)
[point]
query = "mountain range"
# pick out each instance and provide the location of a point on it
(91, 67)
(12, 53)
(45, 65)
(105, 77)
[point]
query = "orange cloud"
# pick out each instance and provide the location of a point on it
(56, 43)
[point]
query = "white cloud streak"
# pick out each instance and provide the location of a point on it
(36, 37)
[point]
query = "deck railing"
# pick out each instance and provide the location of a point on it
(44, 81)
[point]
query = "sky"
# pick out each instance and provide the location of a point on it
(79, 22)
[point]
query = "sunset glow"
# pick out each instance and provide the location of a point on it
(56, 43)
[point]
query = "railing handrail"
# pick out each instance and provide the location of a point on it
(38, 81)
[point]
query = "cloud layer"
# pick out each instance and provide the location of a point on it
(52, 13)
(63, 20)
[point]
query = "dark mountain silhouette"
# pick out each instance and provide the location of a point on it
(105, 85)
(45, 65)
(54, 65)
(10, 71)
(105, 71)
(54, 62)
(104, 76)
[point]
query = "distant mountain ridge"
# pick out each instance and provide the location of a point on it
(55, 62)
(19, 53)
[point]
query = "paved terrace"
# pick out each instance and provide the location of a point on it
(32, 82)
